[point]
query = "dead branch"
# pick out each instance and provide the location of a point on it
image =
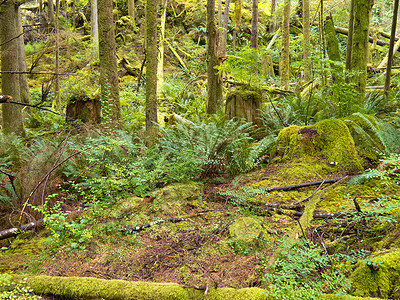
(14, 231)
(312, 195)
(144, 226)
(301, 185)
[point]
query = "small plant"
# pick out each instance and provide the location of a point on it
(15, 290)
(304, 272)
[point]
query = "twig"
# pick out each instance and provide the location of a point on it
(39, 73)
(12, 178)
(312, 195)
(6, 99)
(276, 111)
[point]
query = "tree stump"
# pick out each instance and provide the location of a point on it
(84, 109)
(244, 104)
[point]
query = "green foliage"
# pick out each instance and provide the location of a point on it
(14, 290)
(62, 230)
(305, 272)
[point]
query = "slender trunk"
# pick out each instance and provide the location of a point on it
(214, 86)
(108, 63)
(160, 66)
(254, 25)
(50, 11)
(151, 72)
(274, 4)
(224, 31)
(322, 41)
(350, 37)
(23, 78)
(237, 16)
(11, 113)
(57, 31)
(284, 61)
(306, 40)
(333, 47)
(131, 9)
(359, 52)
(95, 29)
(391, 46)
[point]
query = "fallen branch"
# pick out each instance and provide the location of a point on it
(312, 195)
(301, 185)
(144, 226)
(14, 231)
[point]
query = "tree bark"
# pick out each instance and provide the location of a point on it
(350, 36)
(151, 72)
(95, 29)
(254, 25)
(284, 62)
(50, 11)
(108, 63)
(359, 52)
(57, 71)
(237, 16)
(214, 86)
(306, 41)
(391, 47)
(23, 78)
(10, 83)
(333, 47)
(224, 32)
(160, 66)
(273, 17)
(131, 9)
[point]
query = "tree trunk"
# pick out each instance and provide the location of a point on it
(95, 29)
(12, 115)
(50, 11)
(391, 47)
(131, 9)
(224, 31)
(273, 17)
(57, 70)
(333, 47)
(350, 37)
(23, 78)
(108, 63)
(214, 86)
(160, 66)
(359, 52)
(151, 72)
(306, 41)
(244, 104)
(237, 16)
(284, 62)
(254, 25)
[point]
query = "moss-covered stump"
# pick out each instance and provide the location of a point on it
(380, 277)
(244, 104)
(329, 140)
(84, 109)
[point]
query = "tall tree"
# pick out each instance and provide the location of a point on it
(306, 40)
(359, 51)
(224, 33)
(57, 32)
(108, 62)
(237, 16)
(274, 4)
(151, 71)
(284, 61)
(95, 29)
(11, 113)
(160, 59)
(391, 47)
(254, 25)
(350, 36)
(214, 85)
(23, 77)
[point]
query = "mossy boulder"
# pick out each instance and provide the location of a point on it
(329, 140)
(247, 235)
(378, 277)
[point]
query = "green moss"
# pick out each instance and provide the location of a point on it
(329, 140)
(247, 235)
(379, 278)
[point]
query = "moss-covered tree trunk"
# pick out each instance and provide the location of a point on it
(332, 44)
(224, 31)
(391, 47)
(350, 37)
(284, 61)
(274, 4)
(306, 40)
(151, 71)
(359, 52)
(57, 54)
(108, 63)
(95, 29)
(214, 85)
(23, 77)
(131, 9)
(12, 115)
(254, 25)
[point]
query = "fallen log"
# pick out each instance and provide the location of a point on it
(13, 232)
(301, 185)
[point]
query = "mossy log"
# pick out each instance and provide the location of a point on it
(329, 140)
(244, 104)
(84, 109)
